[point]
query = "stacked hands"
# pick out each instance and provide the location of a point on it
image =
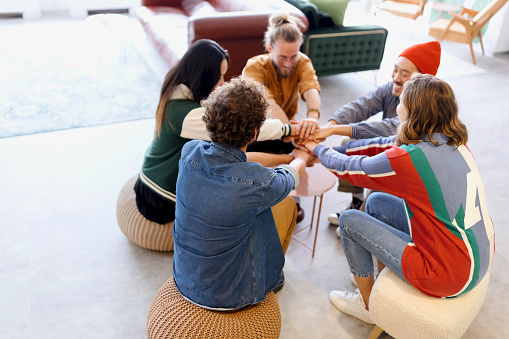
(307, 136)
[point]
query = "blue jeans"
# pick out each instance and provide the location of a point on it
(381, 231)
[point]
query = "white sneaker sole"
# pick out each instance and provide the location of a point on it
(338, 303)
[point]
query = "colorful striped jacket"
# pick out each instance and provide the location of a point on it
(453, 240)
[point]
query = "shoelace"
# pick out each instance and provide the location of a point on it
(355, 298)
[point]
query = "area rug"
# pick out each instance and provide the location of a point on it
(71, 73)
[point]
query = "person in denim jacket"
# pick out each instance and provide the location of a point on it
(228, 254)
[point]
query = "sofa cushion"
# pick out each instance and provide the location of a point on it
(198, 8)
(315, 16)
(170, 3)
(335, 8)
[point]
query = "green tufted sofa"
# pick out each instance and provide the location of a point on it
(340, 49)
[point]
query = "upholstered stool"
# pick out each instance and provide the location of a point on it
(404, 312)
(136, 227)
(172, 316)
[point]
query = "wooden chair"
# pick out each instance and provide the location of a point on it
(411, 9)
(463, 29)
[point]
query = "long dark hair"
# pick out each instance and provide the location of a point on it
(199, 69)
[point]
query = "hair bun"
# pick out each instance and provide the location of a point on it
(280, 20)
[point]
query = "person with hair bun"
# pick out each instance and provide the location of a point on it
(286, 73)
(432, 227)
(228, 253)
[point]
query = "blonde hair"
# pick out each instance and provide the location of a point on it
(432, 108)
(283, 26)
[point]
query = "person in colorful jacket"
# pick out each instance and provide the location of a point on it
(178, 120)
(350, 119)
(432, 227)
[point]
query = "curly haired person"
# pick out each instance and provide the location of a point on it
(228, 253)
(178, 120)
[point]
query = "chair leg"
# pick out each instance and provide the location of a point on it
(480, 40)
(472, 52)
(376, 332)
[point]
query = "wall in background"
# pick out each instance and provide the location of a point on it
(496, 37)
(31, 9)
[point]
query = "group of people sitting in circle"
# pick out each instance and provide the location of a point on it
(226, 155)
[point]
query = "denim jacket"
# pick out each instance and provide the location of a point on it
(227, 251)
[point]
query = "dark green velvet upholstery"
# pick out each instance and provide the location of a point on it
(340, 49)
(345, 49)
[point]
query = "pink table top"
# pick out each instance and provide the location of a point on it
(316, 180)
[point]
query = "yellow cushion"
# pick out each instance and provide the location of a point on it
(335, 8)
(457, 31)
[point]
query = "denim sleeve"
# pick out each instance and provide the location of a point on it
(293, 172)
(280, 184)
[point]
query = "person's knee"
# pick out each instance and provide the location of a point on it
(285, 213)
(349, 218)
(374, 200)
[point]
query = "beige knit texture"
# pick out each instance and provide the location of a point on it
(136, 227)
(171, 316)
(404, 312)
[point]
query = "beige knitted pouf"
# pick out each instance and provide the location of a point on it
(136, 227)
(172, 316)
(404, 312)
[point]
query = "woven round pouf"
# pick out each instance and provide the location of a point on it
(136, 227)
(172, 316)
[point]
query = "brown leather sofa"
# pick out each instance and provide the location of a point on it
(237, 25)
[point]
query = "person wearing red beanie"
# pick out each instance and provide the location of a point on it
(426, 56)
(349, 120)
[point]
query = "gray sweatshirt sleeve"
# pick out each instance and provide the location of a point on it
(356, 112)
(362, 108)
(373, 129)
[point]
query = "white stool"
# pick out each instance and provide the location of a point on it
(404, 312)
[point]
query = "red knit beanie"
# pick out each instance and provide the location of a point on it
(426, 56)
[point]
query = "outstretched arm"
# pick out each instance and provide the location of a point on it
(269, 159)
(309, 125)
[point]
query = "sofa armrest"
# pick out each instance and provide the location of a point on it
(228, 25)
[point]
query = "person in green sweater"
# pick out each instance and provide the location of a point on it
(179, 120)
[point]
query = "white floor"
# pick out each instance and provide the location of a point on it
(67, 271)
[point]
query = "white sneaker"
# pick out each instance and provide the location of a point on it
(333, 219)
(338, 233)
(351, 303)
(355, 204)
